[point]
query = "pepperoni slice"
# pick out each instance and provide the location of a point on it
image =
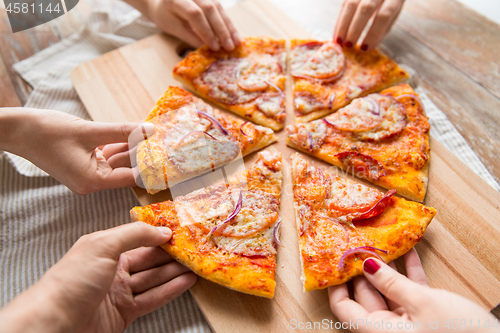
(362, 164)
(372, 118)
(254, 73)
(353, 198)
(316, 60)
(378, 208)
(305, 102)
(271, 104)
(221, 77)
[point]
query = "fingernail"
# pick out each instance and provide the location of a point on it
(148, 129)
(166, 231)
(370, 266)
(229, 45)
(364, 47)
(348, 44)
(339, 40)
(214, 46)
(236, 38)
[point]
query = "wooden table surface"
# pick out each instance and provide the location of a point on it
(455, 51)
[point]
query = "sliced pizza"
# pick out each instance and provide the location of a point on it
(192, 138)
(327, 77)
(341, 222)
(226, 233)
(383, 138)
(249, 81)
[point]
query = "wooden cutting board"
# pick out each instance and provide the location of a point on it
(459, 252)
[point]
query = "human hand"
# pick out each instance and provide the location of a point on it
(354, 16)
(104, 282)
(197, 22)
(85, 156)
(403, 301)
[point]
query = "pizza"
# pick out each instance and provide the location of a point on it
(383, 138)
(249, 81)
(341, 222)
(327, 77)
(192, 138)
(227, 232)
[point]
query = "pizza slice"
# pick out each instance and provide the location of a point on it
(249, 81)
(192, 138)
(341, 222)
(226, 233)
(327, 77)
(383, 138)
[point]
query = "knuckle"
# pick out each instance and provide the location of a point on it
(384, 15)
(368, 7)
(352, 4)
(390, 285)
(208, 7)
(195, 13)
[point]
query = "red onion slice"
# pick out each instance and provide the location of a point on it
(214, 121)
(363, 249)
(231, 216)
(375, 109)
(330, 102)
(242, 132)
(378, 208)
(275, 233)
(194, 132)
(275, 87)
(329, 123)
(412, 96)
(311, 141)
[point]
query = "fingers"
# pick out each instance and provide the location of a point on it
(100, 133)
(217, 23)
(391, 284)
(391, 304)
(113, 242)
(230, 26)
(414, 269)
(120, 160)
(145, 280)
(367, 296)
(382, 23)
(116, 178)
(344, 20)
(145, 258)
(157, 297)
(208, 21)
(113, 148)
(342, 306)
(364, 11)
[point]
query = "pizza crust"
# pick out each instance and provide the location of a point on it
(369, 72)
(190, 246)
(198, 62)
(152, 160)
(396, 229)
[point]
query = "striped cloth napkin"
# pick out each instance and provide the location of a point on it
(41, 219)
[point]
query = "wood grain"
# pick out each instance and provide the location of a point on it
(463, 235)
(463, 37)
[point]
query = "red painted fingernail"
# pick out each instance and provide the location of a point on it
(339, 40)
(370, 266)
(348, 44)
(364, 47)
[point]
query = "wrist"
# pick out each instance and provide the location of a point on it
(15, 128)
(34, 311)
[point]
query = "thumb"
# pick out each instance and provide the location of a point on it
(102, 133)
(393, 285)
(131, 236)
